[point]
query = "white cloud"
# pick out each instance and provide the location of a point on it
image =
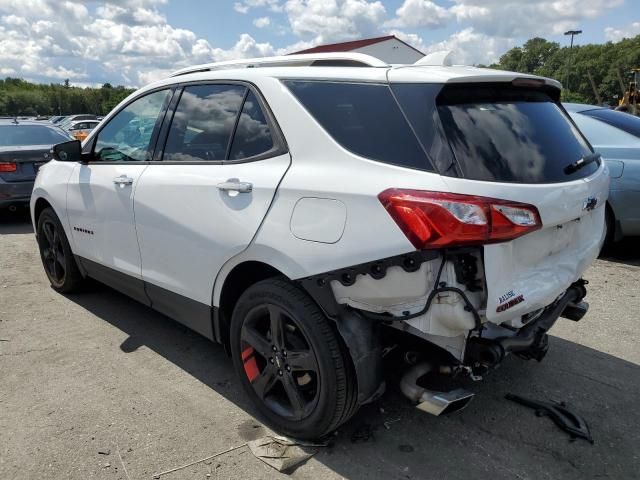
(124, 41)
(421, 13)
(526, 18)
(262, 22)
(132, 41)
(617, 34)
(469, 47)
(245, 5)
(334, 20)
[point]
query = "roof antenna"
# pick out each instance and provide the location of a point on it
(441, 58)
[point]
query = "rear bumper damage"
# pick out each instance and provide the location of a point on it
(439, 297)
(484, 352)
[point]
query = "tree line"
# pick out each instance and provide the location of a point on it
(608, 64)
(19, 97)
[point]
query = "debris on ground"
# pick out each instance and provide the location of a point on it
(362, 434)
(158, 475)
(282, 453)
(104, 451)
(570, 422)
(387, 424)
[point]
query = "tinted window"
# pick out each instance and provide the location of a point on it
(624, 121)
(18, 135)
(252, 136)
(501, 133)
(203, 123)
(363, 118)
(128, 135)
(418, 101)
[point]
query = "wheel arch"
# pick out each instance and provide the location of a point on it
(235, 282)
(39, 205)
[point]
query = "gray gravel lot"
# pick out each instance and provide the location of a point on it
(98, 372)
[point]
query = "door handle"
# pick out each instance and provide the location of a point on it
(235, 185)
(123, 180)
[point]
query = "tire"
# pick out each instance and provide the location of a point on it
(56, 255)
(291, 361)
(610, 223)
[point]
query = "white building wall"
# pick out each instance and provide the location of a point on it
(391, 51)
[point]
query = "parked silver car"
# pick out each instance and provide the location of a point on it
(616, 135)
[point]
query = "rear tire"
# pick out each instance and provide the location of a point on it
(610, 223)
(291, 361)
(56, 255)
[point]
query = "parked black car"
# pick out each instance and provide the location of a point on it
(24, 147)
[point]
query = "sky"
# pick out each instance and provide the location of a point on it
(134, 42)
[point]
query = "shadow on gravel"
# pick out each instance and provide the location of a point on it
(390, 439)
(15, 222)
(626, 251)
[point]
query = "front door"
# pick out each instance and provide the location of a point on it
(101, 193)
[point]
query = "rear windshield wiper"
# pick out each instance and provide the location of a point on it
(583, 162)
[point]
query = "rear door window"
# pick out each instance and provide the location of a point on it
(498, 132)
(203, 123)
(253, 135)
(363, 118)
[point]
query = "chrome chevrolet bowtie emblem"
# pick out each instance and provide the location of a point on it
(590, 203)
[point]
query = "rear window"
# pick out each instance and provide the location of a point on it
(24, 135)
(624, 121)
(363, 118)
(495, 132)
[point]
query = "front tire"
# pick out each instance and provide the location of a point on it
(291, 361)
(56, 255)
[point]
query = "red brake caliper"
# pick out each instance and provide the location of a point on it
(250, 365)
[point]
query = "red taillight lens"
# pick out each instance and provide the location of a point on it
(438, 220)
(8, 167)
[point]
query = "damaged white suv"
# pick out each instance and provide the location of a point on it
(300, 209)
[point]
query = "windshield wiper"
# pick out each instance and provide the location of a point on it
(583, 162)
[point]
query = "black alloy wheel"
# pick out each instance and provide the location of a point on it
(53, 257)
(279, 362)
(56, 255)
(291, 360)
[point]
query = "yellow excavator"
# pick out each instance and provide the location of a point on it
(630, 101)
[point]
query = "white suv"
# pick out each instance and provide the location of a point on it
(306, 210)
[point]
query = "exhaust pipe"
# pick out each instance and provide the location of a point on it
(431, 401)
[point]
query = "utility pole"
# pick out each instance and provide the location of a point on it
(572, 33)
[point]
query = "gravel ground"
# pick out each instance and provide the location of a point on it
(97, 372)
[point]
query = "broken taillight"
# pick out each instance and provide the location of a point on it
(438, 219)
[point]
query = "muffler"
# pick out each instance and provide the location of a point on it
(431, 401)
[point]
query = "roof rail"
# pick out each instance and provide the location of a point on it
(334, 59)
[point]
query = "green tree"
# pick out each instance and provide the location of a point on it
(19, 97)
(604, 62)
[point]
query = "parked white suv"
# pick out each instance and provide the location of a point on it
(306, 210)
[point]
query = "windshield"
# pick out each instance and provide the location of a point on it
(624, 121)
(498, 133)
(22, 135)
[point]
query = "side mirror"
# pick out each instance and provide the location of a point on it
(68, 151)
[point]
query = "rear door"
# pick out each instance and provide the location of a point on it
(204, 199)
(100, 192)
